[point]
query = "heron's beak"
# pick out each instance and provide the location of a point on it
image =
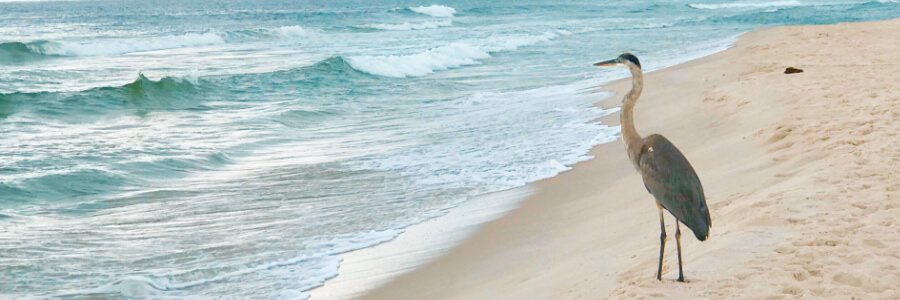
(608, 63)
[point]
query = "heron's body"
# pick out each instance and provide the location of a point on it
(669, 177)
(667, 174)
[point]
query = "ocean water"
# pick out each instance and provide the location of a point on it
(237, 148)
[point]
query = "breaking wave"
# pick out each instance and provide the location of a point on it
(435, 11)
(435, 59)
(142, 94)
(289, 33)
(13, 52)
(445, 57)
(409, 26)
(18, 51)
(745, 5)
(122, 46)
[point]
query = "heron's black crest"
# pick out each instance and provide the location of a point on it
(630, 57)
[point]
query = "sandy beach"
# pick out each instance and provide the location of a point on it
(800, 173)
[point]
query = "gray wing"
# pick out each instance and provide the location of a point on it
(672, 181)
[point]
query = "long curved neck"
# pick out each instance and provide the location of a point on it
(633, 140)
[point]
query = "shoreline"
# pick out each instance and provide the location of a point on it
(567, 240)
(355, 277)
(364, 269)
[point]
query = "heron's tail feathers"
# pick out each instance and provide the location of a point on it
(701, 232)
(699, 222)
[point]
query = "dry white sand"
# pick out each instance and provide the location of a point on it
(800, 172)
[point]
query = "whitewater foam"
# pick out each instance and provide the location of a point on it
(132, 45)
(320, 267)
(435, 59)
(409, 26)
(123, 46)
(455, 55)
(511, 43)
(556, 138)
(745, 5)
(435, 11)
(295, 31)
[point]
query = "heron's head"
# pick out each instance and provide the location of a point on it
(626, 60)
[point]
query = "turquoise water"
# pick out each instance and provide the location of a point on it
(203, 149)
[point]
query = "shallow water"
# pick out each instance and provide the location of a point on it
(235, 148)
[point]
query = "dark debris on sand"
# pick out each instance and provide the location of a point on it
(792, 70)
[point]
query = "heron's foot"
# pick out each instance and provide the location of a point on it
(658, 276)
(680, 278)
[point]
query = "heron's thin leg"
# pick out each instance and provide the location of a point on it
(662, 243)
(678, 242)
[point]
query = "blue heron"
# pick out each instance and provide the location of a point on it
(667, 174)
